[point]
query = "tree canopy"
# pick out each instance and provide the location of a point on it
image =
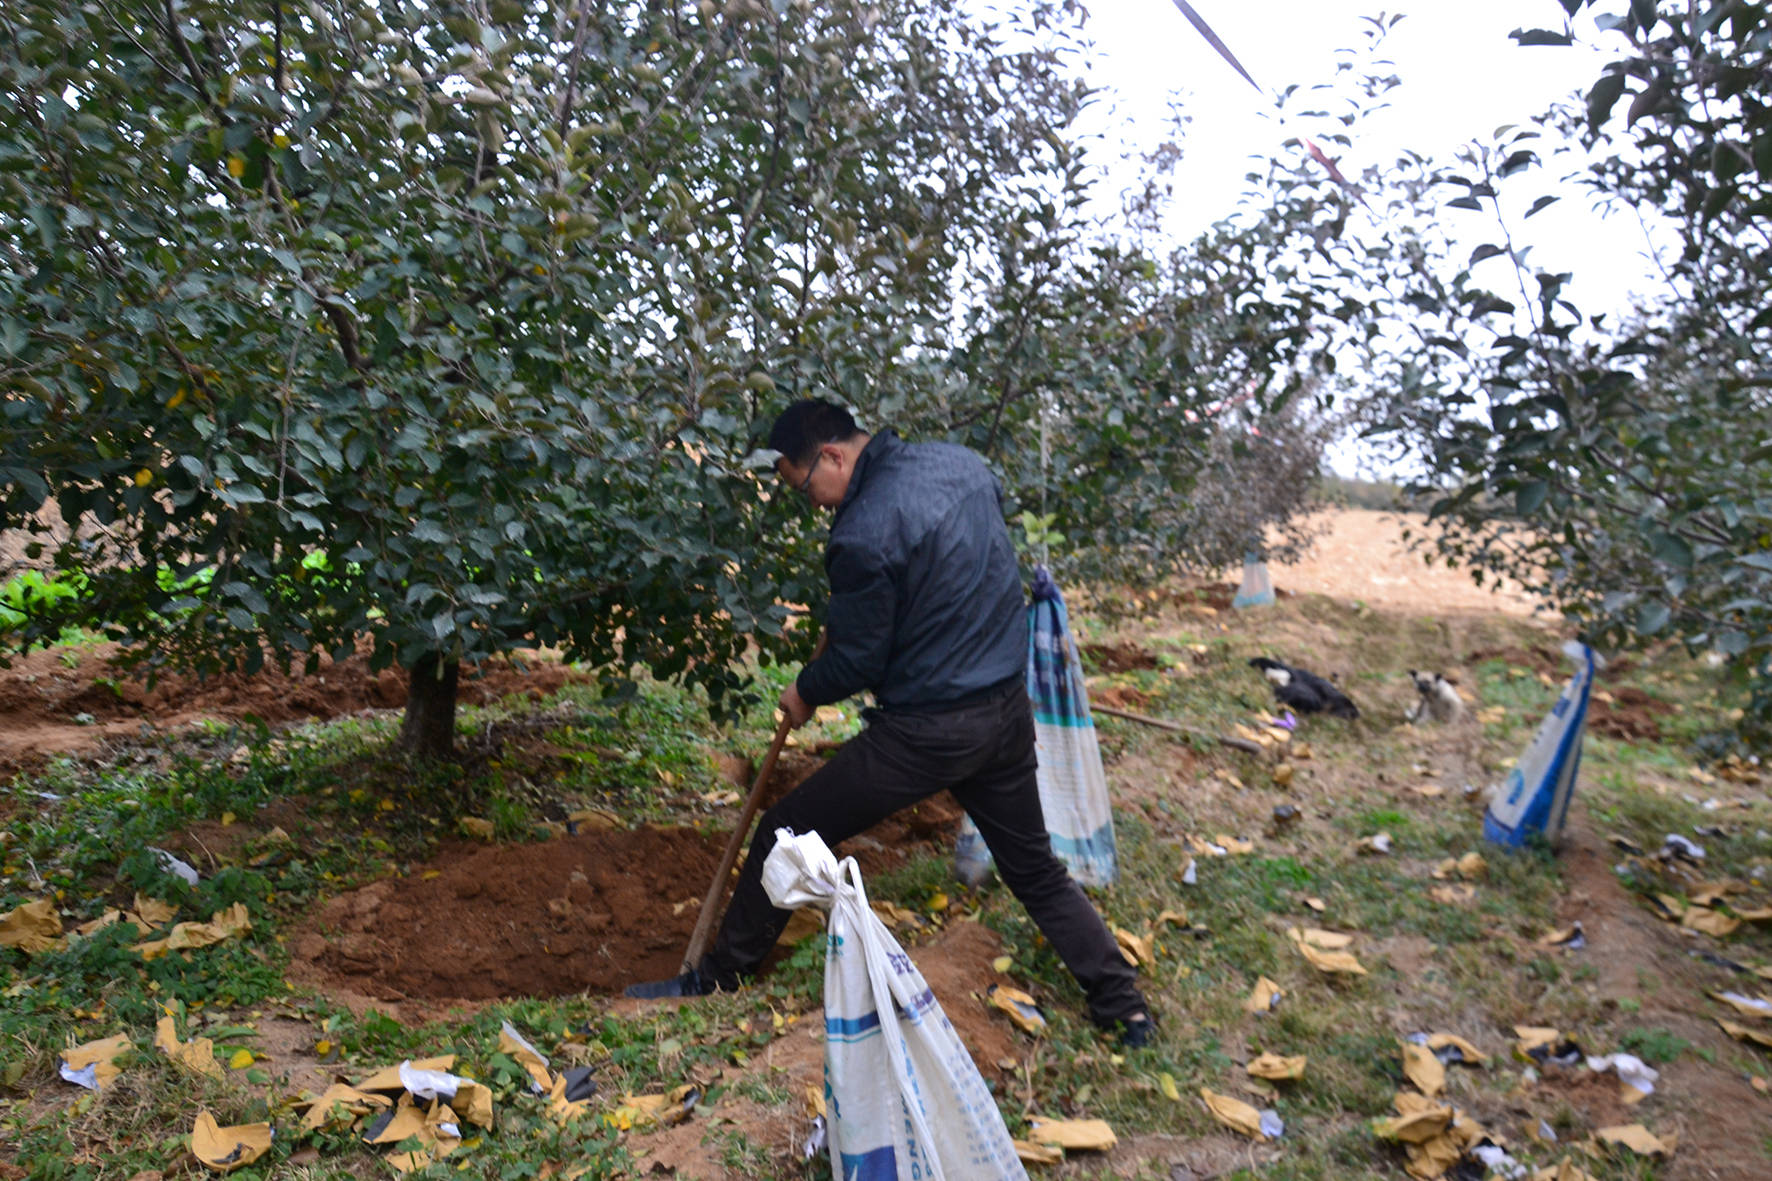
(1621, 465)
(450, 328)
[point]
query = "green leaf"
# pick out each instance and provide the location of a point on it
(1541, 37)
(1671, 548)
(1603, 97)
(1530, 497)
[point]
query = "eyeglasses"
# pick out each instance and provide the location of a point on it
(806, 484)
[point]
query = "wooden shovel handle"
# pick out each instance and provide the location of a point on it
(704, 922)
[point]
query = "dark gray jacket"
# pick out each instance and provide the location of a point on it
(926, 604)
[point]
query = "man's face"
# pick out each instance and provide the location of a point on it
(823, 481)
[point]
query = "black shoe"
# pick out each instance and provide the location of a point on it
(689, 983)
(1137, 1032)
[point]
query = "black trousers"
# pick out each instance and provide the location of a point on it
(982, 751)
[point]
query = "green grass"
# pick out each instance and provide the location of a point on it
(1471, 969)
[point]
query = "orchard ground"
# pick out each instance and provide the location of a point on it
(402, 913)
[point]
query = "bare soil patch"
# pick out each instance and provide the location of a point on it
(592, 912)
(77, 701)
(587, 913)
(1630, 714)
(1117, 658)
(1362, 554)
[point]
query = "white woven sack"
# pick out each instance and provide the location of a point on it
(906, 1102)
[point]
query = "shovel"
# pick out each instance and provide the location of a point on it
(704, 922)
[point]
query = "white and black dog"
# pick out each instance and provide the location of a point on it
(1438, 701)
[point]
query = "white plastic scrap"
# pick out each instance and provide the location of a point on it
(1546, 1133)
(449, 1129)
(815, 1141)
(1757, 1004)
(1577, 938)
(429, 1084)
(1498, 1161)
(510, 1031)
(174, 866)
(1189, 876)
(1382, 842)
(1631, 1069)
(1272, 1126)
(86, 1076)
(1679, 846)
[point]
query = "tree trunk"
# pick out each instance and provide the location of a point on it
(428, 729)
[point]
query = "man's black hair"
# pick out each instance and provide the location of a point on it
(808, 425)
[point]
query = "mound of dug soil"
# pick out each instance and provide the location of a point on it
(591, 913)
(587, 913)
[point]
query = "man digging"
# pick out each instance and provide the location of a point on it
(926, 611)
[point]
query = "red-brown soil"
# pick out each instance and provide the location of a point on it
(587, 913)
(593, 912)
(1117, 658)
(48, 708)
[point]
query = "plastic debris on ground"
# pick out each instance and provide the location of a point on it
(196, 1055)
(227, 1149)
(1570, 938)
(1038, 1154)
(666, 1110)
(172, 865)
(1323, 950)
(1740, 1033)
(1264, 997)
(1638, 1139)
(223, 924)
(1540, 1043)
(1453, 1050)
(532, 1060)
(1421, 1067)
(1072, 1135)
(1747, 1006)
(93, 1064)
(1235, 1114)
(1636, 1078)
(1276, 1068)
(1497, 1161)
(32, 927)
(340, 1105)
(1677, 847)
(1019, 1006)
(814, 1143)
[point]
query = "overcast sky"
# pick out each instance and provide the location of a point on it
(1462, 77)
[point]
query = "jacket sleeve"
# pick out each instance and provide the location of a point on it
(858, 626)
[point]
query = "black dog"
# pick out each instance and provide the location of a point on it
(1304, 691)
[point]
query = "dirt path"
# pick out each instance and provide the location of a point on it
(1363, 555)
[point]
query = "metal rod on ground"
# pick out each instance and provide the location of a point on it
(710, 906)
(1242, 744)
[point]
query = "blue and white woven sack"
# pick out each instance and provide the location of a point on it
(905, 1101)
(1534, 799)
(1073, 787)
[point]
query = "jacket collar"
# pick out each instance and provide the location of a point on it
(884, 442)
